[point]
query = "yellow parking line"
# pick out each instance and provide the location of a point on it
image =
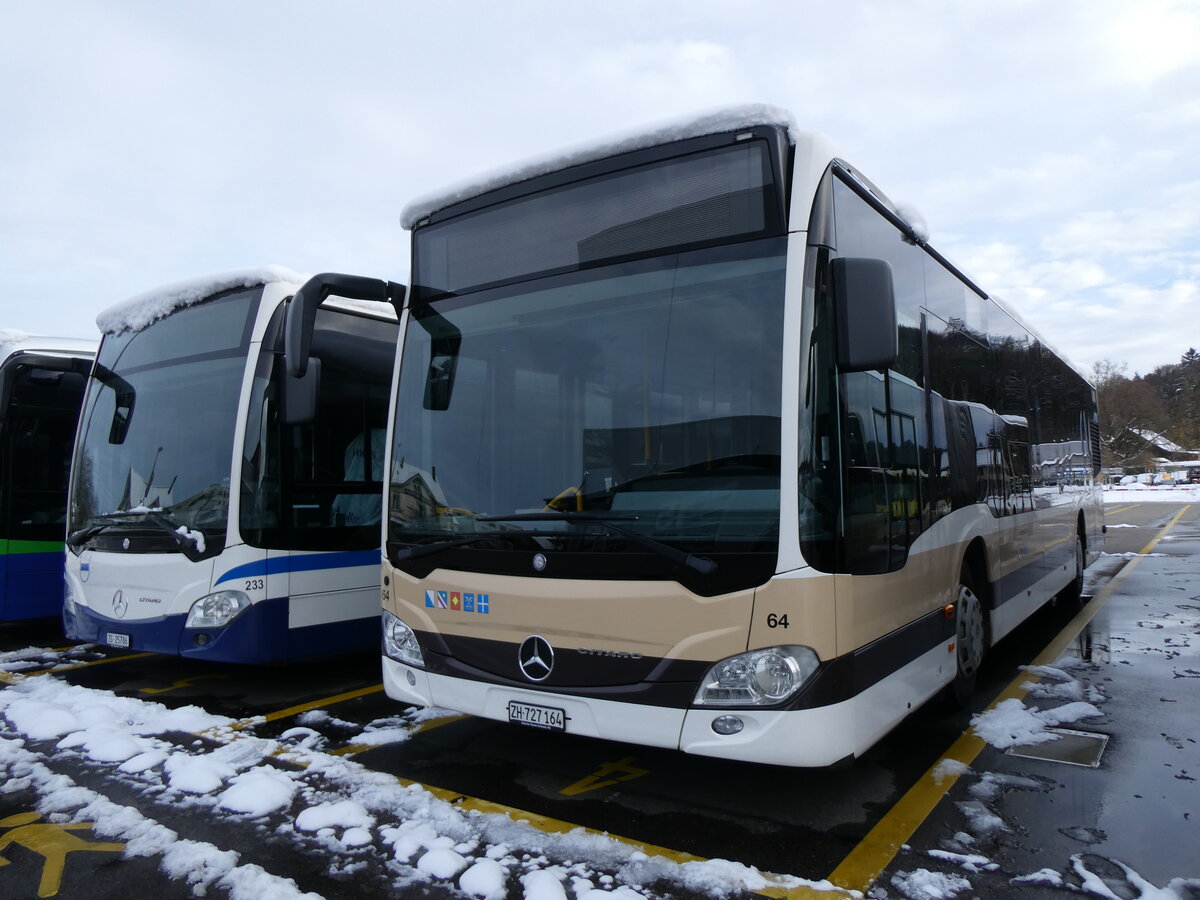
(305, 707)
(1121, 509)
(867, 861)
(95, 662)
(17, 677)
(419, 728)
(778, 886)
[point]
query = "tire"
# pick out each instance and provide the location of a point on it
(970, 642)
(1072, 594)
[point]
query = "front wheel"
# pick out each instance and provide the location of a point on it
(970, 638)
(1072, 594)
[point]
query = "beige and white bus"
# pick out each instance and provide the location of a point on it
(697, 443)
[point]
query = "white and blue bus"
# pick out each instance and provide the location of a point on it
(699, 443)
(41, 386)
(225, 495)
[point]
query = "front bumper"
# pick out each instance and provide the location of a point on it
(819, 736)
(258, 635)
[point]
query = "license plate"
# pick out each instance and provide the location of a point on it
(537, 716)
(116, 640)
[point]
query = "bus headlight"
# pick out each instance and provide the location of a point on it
(400, 642)
(217, 610)
(758, 678)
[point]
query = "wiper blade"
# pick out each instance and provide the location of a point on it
(75, 538)
(700, 564)
(110, 521)
(156, 517)
(418, 550)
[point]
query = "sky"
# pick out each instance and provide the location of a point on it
(1051, 147)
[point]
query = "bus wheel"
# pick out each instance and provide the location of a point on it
(970, 638)
(1072, 594)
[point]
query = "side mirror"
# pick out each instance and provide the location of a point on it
(445, 342)
(865, 306)
(302, 310)
(124, 398)
(300, 394)
(303, 382)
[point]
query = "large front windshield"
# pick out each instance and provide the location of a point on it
(158, 421)
(646, 394)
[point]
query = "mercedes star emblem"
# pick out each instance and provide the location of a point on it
(536, 658)
(120, 604)
(539, 562)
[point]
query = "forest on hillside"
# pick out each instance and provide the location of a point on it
(1135, 410)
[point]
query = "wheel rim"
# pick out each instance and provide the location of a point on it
(970, 631)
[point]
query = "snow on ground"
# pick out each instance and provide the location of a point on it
(46, 658)
(1059, 694)
(1011, 722)
(326, 803)
(1152, 493)
(923, 884)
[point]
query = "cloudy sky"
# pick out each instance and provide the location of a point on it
(1053, 147)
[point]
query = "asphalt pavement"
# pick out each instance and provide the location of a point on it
(980, 821)
(1118, 815)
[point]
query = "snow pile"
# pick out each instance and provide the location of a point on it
(38, 658)
(971, 862)
(325, 802)
(912, 217)
(949, 768)
(697, 125)
(139, 311)
(1011, 722)
(201, 864)
(1152, 493)
(925, 885)
(195, 537)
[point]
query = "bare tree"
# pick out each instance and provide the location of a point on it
(1131, 411)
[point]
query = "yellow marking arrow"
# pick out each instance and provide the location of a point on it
(181, 683)
(52, 843)
(606, 776)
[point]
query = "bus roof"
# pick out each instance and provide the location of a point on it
(815, 148)
(696, 125)
(12, 341)
(139, 311)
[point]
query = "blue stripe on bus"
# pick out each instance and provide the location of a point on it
(258, 635)
(277, 565)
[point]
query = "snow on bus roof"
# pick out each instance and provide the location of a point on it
(13, 341)
(10, 338)
(696, 125)
(139, 311)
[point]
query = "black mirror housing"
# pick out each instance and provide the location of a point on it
(302, 309)
(300, 394)
(865, 307)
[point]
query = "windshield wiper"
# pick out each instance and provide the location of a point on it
(700, 564)
(418, 550)
(155, 517)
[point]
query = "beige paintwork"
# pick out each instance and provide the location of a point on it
(654, 618)
(832, 614)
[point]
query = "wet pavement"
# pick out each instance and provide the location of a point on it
(901, 822)
(1016, 826)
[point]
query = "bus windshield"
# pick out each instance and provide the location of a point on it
(156, 442)
(642, 394)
